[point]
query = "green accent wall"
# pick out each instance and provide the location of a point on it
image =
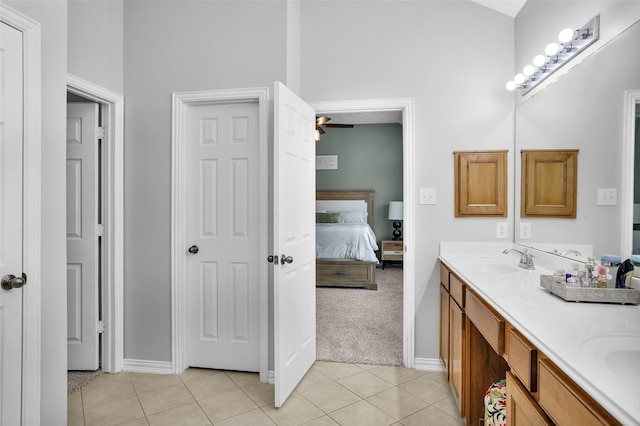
(369, 157)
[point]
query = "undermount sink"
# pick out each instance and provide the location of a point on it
(619, 354)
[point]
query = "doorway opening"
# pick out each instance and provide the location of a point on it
(372, 111)
(109, 229)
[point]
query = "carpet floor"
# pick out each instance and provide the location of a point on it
(360, 326)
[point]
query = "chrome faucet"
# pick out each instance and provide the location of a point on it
(526, 258)
(574, 252)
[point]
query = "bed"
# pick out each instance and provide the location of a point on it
(345, 241)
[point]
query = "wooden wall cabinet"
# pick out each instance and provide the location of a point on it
(549, 183)
(481, 183)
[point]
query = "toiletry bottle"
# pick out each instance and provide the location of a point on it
(611, 262)
(590, 273)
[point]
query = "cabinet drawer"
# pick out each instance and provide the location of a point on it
(444, 276)
(523, 359)
(457, 290)
(559, 397)
(522, 409)
(487, 322)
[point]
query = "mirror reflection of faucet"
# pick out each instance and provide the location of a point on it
(526, 258)
(565, 252)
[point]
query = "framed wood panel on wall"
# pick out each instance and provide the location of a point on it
(549, 183)
(481, 183)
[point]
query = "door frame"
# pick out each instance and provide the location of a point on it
(112, 258)
(181, 101)
(32, 216)
(406, 107)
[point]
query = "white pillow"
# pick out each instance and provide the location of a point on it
(356, 216)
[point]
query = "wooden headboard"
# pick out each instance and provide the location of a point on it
(366, 195)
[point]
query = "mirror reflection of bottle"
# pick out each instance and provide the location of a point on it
(611, 262)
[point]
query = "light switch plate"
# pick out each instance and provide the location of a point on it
(607, 196)
(525, 230)
(427, 196)
(501, 230)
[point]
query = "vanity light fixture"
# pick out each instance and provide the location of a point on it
(556, 55)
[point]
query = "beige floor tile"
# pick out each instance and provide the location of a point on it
(197, 373)
(427, 389)
(209, 386)
(311, 380)
(448, 405)
(260, 393)
(331, 397)
(397, 403)
(185, 415)
(362, 413)
(337, 370)
(438, 376)
(137, 422)
(296, 410)
(144, 383)
(242, 378)
(322, 421)
(226, 404)
(365, 384)
(367, 366)
(255, 417)
(165, 398)
(95, 396)
(396, 375)
(114, 413)
(431, 416)
(75, 418)
(107, 378)
(74, 402)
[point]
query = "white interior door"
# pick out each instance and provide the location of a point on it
(294, 238)
(223, 283)
(82, 236)
(11, 225)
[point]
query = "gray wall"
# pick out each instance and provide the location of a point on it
(52, 17)
(453, 58)
(583, 109)
(369, 157)
(173, 46)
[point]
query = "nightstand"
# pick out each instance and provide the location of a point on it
(392, 251)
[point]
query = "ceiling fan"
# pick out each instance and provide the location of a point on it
(321, 124)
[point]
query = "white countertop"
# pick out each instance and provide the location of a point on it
(597, 345)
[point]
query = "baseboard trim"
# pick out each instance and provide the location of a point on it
(146, 366)
(428, 364)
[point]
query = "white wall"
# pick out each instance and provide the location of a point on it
(454, 59)
(583, 109)
(52, 15)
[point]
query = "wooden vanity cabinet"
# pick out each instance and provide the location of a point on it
(522, 409)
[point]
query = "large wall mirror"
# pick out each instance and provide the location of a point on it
(592, 108)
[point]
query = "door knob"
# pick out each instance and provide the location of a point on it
(287, 259)
(193, 249)
(11, 281)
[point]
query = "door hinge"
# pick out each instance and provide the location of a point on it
(99, 230)
(101, 132)
(100, 327)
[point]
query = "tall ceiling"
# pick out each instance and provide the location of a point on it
(508, 7)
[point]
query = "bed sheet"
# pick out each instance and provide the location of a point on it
(345, 241)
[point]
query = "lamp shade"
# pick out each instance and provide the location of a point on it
(395, 210)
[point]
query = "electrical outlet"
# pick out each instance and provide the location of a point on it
(525, 230)
(427, 196)
(607, 196)
(501, 230)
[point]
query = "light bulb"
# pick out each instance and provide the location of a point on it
(539, 60)
(519, 78)
(551, 49)
(566, 35)
(511, 86)
(529, 70)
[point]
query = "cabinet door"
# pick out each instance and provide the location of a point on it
(444, 329)
(456, 348)
(522, 409)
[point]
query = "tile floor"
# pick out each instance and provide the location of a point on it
(330, 394)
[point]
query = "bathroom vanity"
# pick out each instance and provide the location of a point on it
(565, 363)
